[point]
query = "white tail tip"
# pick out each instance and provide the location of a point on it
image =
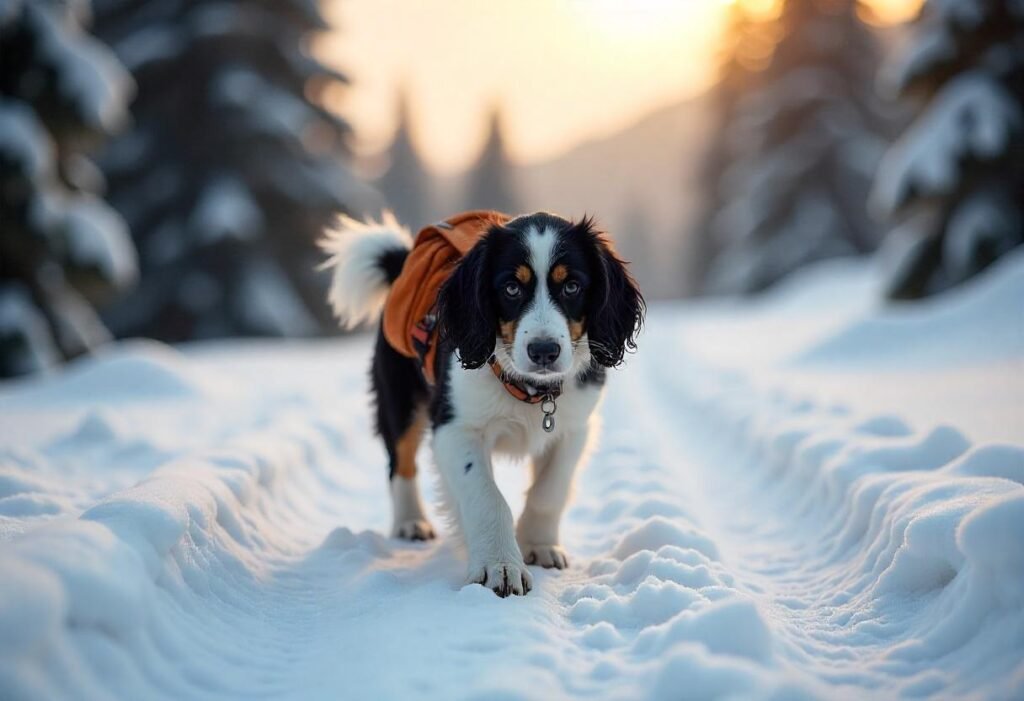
(356, 250)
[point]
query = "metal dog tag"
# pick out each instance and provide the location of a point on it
(549, 408)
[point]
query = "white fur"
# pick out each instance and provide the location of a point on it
(542, 320)
(358, 285)
(409, 521)
(488, 420)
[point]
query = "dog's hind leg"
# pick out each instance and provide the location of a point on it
(401, 419)
(409, 521)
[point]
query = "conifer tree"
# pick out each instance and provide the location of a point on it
(491, 182)
(232, 169)
(745, 47)
(802, 152)
(406, 183)
(62, 249)
(954, 181)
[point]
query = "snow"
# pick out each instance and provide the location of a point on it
(89, 75)
(23, 141)
(226, 210)
(96, 237)
(149, 45)
(804, 497)
(985, 219)
(21, 324)
(269, 109)
(913, 335)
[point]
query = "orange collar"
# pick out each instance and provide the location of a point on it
(529, 394)
(520, 390)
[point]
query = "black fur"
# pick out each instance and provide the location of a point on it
(466, 315)
(400, 389)
(441, 409)
(391, 262)
(615, 306)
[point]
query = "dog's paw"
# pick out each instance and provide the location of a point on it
(503, 578)
(546, 556)
(414, 529)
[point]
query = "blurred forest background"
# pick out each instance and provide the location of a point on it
(166, 166)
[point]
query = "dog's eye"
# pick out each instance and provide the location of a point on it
(571, 288)
(513, 290)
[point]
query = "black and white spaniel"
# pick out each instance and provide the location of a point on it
(540, 306)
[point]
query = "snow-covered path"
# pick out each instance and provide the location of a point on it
(208, 525)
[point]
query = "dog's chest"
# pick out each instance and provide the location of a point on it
(512, 426)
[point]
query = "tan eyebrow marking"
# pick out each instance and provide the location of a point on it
(576, 329)
(524, 274)
(508, 331)
(559, 273)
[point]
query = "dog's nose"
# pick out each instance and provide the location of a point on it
(543, 352)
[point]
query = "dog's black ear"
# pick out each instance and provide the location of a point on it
(465, 310)
(616, 309)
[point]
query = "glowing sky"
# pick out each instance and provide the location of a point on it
(563, 71)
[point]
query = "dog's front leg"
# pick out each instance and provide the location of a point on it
(483, 514)
(537, 531)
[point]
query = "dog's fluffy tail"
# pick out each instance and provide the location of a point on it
(364, 259)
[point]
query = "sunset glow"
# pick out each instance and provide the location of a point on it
(562, 71)
(894, 11)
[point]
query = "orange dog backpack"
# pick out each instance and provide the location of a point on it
(409, 312)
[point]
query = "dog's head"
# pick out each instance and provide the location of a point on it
(545, 295)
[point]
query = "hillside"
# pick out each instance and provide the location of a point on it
(637, 182)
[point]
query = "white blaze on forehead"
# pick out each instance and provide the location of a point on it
(542, 319)
(541, 245)
(542, 249)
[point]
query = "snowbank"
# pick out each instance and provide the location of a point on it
(983, 320)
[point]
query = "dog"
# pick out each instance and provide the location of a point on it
(523, 328)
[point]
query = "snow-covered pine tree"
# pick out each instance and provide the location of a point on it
(491, 182)
(232, 169)
(62, 249)
(745, 46)
(803, 151)
(406, 183)
(954, 180)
